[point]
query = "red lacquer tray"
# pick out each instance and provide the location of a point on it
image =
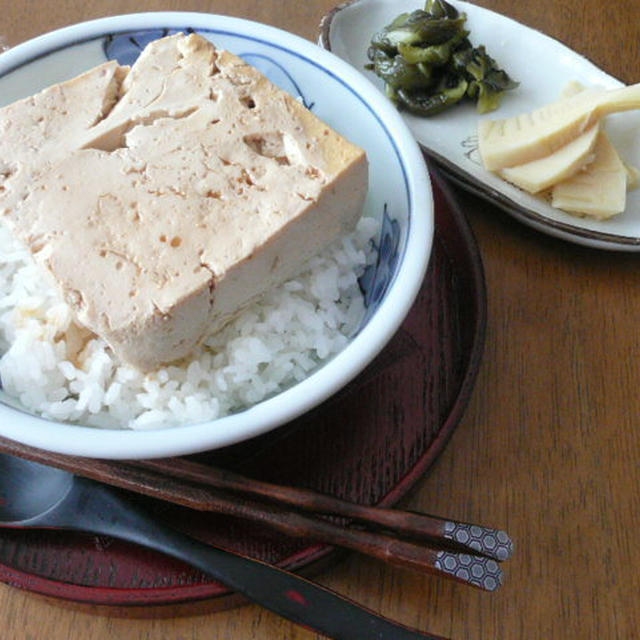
(371, 444)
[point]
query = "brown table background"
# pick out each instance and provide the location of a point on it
(549, 447)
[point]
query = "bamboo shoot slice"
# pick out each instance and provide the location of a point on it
(541, 174)
(531, 136)
(600, 190)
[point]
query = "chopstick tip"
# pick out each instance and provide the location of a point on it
(478, 571)
(483, 540)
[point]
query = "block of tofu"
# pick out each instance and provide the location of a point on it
(165, 198)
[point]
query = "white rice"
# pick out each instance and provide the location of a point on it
(273, 344)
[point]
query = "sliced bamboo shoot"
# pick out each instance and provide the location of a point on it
(633, 177)
(531, 136)
(541, 174)
(598, 191)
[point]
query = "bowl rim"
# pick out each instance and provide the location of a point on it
(266, 415)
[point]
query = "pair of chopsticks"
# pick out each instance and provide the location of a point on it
(461, 551)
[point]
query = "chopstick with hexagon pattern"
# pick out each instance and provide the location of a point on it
(458, 536)
(463, 552)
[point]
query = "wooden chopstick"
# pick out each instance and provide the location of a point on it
(476, 570)
(460, 536)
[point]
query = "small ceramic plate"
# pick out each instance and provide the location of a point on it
(543, 67)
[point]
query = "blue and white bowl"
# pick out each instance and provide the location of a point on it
(399, 195)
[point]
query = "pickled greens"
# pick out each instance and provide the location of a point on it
(428, 63)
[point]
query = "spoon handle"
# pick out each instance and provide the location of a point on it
(98, 509)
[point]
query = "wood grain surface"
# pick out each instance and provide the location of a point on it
(549, 446)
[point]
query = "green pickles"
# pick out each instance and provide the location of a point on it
(449, 91)
(428, 63)
(399, 73)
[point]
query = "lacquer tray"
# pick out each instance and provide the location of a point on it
(371, 444)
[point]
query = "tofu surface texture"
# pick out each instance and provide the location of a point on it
(166, 197)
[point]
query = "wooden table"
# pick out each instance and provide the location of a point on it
(549, 447)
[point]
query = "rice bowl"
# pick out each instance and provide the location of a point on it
(399, 211)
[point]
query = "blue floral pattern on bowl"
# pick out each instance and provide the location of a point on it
(377, 277)
(126, 47)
